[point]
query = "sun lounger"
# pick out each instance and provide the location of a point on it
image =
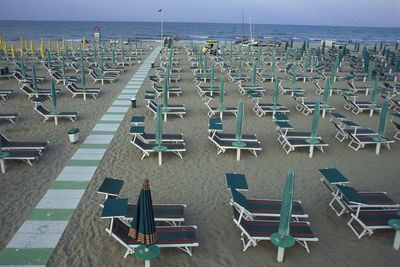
(254, 231)
(360, 106)
(48, 115)
(332, 90)
(361, 140)
(212, 111)
(291, 90)
(13, 117)
(291, 144)
(7, 144)
(202, 90)
(26, 79)
(147, 137)
(251, 208)
(357, 89)
(249, 89)
(174, 90)
(178, 110)
(6, 93)
(77, 91)
(182, 237)
(31, 92)
(97, 78)
(172, 78)
(262, 109)
(222, 145)
(64, 79)
(147, 148)
(107, 67)
(26, 156)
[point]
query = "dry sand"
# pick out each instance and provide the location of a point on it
(198, 180)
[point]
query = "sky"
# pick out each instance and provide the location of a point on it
(371, 13)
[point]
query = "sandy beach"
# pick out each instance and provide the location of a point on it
(198, 180)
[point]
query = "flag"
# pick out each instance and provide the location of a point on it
(160, 10)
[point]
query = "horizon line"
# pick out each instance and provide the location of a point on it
(127, 21)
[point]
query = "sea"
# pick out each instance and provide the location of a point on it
(11, 31)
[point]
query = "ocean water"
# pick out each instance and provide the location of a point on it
(53, 30)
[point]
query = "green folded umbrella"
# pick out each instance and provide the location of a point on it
(282, 238)
(101, 67)
(275, 96)
(294, 78)
(143, 228)
(165, 93)
(382, 118)
(326, 91)
(63, 65)
(22, 66)
(314, 127)
(239, 121)
(306, 65)
(53, 96)
(253, 78)
(273, 63)
(34, 82)
(240, 64)
(159, 124)
(212, 77)
(48, 59)
(375, 90)
(221, 92)
(369, 75)
(113, 58)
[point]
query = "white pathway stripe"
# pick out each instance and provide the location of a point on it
(64, 193)
(122, 102)
(106, 127)
(98, 139)
(58, 203)
(126, 96)
(76, 173)
(34, 241)
(112, 117)
(43, 227)
(117, 109)
(89, 154)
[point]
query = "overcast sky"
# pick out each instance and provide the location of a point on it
(380, 13)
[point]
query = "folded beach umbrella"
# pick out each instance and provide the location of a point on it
(212, 77)
(326, 91)
(275, 96)
(165, 93)
(113, 58)
(240, 64)
(375, 90)
(230, 57)
(83, 42)
(58, 47)
(294, 75)
(122, 51)
(21, 43)
(72, 45)
(101, 67)
(221, 92)
(130, 49)
(63, 65)
(83, 81)
(48, 60)
(94, 50)
(205, 65)
(382, 118)
(323, 48)
(159, 125)
(34, 82)
(143, 228)
(314, 126)
(66, 52)
(273, 63)
(22, 66)
(253, 77)
(53, 95)
(49, 45)
(282, 239)
(369, 75)
(104, 46)
(63, 43)
(32, 50)
(239, 128)
(306, 65)
(13, 51)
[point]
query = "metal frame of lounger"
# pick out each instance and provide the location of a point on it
(202, 90)
(76, 91)
(31, 92)
(361, 140)
(320, 91)
(172, 78)
(308, 108)
(291, 90)
(147, 148)
(246, 89)
(25, 155)
(178, 110)
(222, 145)
(123, 236)
(175, 90)
(64, 79)
(397, 134)
(212, 111)
(231, 137)
(97, 78)
(146, 137)
(291, 144)
(238, 78)
(262, 109)
(300, 231)
(8, 144)
(73, 116)
(361, 106)
(6, 93)
(10, 116)
(355, 89)
(250, 208)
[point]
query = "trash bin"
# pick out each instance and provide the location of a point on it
(73, 135)
(152, 65)
(133, 102)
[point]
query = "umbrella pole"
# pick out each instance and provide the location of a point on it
(84, 96)
(165, 116)
(378, 148)
(3, 166)
(396, 242)
(323, 113)
(221, 114)
(147, 263)
(159, 158)
(311, 151)
(56, 120)
(281, 252)
(238, 154)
